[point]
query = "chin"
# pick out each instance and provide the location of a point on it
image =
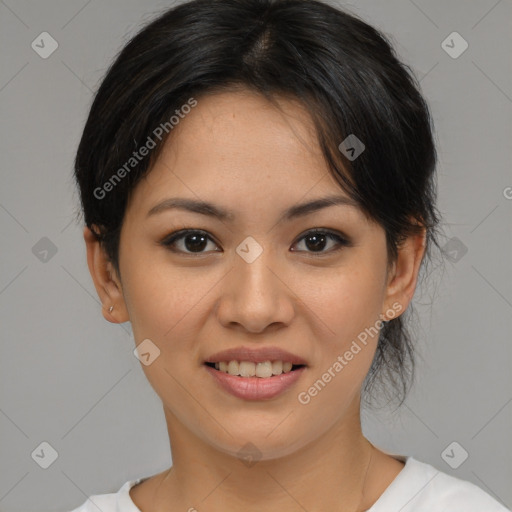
(251, 445)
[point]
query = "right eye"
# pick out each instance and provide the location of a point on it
(187, 241)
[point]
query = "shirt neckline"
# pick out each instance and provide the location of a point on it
(409, 462)
(126, 504)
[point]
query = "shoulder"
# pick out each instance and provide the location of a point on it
(119, 501)
(420, 487)
(455, 494)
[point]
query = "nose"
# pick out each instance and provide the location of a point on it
(255, 296)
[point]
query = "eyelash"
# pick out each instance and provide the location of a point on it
(170, 239)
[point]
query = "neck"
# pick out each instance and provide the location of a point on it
(327, 474)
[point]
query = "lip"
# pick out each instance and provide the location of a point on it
(255, 355)
(256, 388)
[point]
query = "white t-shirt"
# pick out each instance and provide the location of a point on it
(419, 487)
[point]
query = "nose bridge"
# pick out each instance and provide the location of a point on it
(256, 296)
(252, 271)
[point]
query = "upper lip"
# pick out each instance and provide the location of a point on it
(255, 355)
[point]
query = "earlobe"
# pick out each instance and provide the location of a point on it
(402, 281)
(108, 285)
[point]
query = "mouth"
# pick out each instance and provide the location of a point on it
(261, 373)
(262, 370)
(247, 380)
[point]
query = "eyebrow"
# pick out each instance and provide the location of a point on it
(212, 210)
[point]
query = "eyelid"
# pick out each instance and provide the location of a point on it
(171, 238)
(340, 238)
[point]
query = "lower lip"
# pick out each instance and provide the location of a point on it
(256, 388)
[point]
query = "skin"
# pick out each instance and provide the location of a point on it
(237, 150)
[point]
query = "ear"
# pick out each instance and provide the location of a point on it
(107, 283)
(402, 278)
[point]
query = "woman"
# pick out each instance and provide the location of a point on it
(257, 179)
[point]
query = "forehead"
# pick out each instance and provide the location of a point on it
(246, 134)
(240, 146)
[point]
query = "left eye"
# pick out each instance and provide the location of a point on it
(317, 241)
(195, 241)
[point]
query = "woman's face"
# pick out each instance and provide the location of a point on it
(259, 279)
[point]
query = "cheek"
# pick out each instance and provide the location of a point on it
(349, 309)
(163, 309)
(169, 306)
(160, 304)
(152, 288)
(346, 303)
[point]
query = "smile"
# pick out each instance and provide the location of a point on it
(262, 370)
(253, 387)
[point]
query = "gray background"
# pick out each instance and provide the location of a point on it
(69, 378)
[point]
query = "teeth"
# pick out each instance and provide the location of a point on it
(245, 369)
(250, 369)
(232, 367)
(264, 369)
(277, 367)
